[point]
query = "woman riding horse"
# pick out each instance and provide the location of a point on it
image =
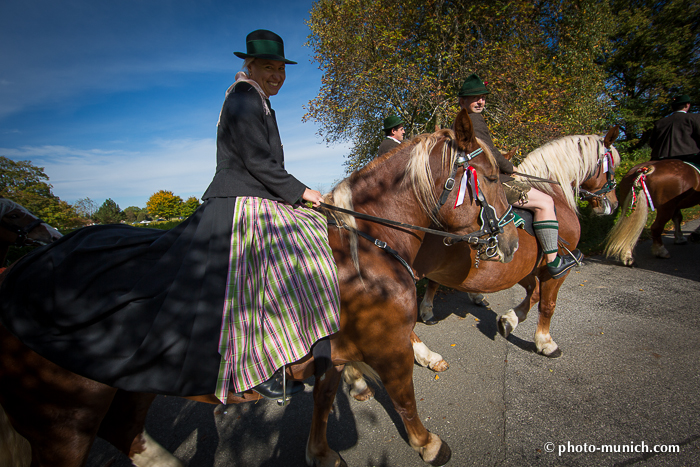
(137, 308)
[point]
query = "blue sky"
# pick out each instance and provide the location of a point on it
(120, 99)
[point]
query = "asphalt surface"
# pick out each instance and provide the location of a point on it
(627, 382)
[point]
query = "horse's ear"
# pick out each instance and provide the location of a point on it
(511, 153)
(612, 135)
(464, 131)
(437, 127)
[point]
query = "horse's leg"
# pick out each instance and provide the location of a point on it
(478, 299)
(426, 357)
(123, 427)
(510, 320)
(318, 453)
(548, 301)
(695, 235)
(426, 306)
(396, 373)
(678, 238)
(57, 411)
(358, 386)
(663, 215)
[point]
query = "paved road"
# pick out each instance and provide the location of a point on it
(628, 377)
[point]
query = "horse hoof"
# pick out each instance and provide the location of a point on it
(439, 366)
(443, 455)
(365, 395)
(681, 241)
(555, 354)
(429, 322)
(482, 302)
(504, 328)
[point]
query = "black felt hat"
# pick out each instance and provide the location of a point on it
(264, 44)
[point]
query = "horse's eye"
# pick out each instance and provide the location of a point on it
(492, 178)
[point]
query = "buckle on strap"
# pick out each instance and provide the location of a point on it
(449, 184)
(380, 243)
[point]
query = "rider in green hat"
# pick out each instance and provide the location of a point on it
(472, 97)
(393, 132)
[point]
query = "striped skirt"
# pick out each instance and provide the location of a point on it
(281, 294)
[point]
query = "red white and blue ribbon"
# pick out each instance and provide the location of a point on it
(607, 161)
(469, 178)
(641, 181)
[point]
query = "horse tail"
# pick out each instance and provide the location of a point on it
(15, 451)
(365, 370)
(623, 236)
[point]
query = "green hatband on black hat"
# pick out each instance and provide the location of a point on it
(266, 44)
(473, 86)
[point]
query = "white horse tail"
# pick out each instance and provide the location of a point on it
(15, 451)
(624, 235)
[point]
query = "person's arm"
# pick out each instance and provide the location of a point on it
(482, 132)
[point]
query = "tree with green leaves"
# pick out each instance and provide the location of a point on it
(135, 214)
(409, 58)
(27, 184)
(164, 204)
(85, 207)
(655, 55)
(109, 213)
(189, 207)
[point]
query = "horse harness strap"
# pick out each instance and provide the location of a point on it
(21, 232)
(609, 186)
(378, 243)
(493, 225)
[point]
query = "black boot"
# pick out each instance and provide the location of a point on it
(565, 263)
(273, 389)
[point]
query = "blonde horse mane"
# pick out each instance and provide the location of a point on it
(417, 174)
(569, 160)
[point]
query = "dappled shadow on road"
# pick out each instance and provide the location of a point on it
(487, 318)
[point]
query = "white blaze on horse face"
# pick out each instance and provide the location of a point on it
(53, 233)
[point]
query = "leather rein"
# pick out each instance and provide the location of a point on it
(493, 225)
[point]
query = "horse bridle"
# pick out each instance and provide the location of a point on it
(21, 232)
(609, 186)
(492, 224)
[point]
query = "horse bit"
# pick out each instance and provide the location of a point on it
(492, 224)
(610, 184)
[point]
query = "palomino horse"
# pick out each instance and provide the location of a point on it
(572, 161)
(19, 227)
(60, 412)
(665, 185)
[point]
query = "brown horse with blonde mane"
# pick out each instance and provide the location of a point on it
(572, 162)
(667, 186)
(61, 412)
(578, 166)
